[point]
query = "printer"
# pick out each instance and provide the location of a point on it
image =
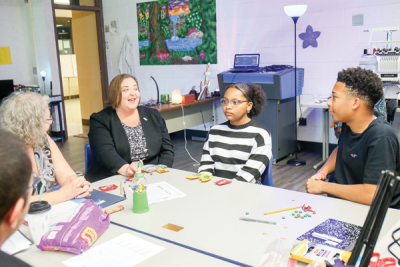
(278, 114)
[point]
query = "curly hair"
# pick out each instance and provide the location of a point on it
(254, 94)
(23, 115)
(363, 84)
(114, 90)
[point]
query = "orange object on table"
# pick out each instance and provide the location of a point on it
(187, 99)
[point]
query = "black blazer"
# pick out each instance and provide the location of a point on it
(110, 146)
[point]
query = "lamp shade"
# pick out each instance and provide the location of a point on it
(295, 10)
(43, 73)
(176, 97)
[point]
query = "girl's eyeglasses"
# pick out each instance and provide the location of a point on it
(234, 103)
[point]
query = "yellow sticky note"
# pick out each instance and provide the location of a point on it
(173, 227)
(5, 55)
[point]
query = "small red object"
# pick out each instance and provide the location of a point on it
(389, 261)
(108, 187)
(129, 179)
(151, 173)
(315, 212)
(307, 207)
(223, 182)
(187, 99)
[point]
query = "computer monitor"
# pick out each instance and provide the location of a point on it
(6, 88)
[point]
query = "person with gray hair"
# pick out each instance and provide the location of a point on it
(27, 115)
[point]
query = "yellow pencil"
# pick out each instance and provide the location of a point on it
(280, 210)
(121, 189)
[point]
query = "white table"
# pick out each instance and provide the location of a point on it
(325, 128)
(210, 217)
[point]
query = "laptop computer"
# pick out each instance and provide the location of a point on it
(246, 62)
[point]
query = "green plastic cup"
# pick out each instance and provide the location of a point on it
(140, 202)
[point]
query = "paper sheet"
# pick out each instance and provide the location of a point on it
(162, 191)
(15, 243)
(124, 250)
(5, 55)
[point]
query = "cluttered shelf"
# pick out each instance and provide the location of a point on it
(170, 106)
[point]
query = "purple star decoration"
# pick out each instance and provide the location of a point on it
(309, 37)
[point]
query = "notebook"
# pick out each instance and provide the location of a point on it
(333, 233)
(104, 199)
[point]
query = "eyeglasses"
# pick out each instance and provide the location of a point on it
(51, 119)
(234, 103)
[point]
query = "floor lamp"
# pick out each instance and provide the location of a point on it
(295, 12)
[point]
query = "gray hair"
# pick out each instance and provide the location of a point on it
(23, 115)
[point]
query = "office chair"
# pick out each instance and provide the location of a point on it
(88, 156)
(266, 177)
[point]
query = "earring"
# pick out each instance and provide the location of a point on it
(248, 112)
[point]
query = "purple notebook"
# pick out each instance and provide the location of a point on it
(333, 233)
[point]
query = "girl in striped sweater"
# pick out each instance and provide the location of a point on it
(241, 147)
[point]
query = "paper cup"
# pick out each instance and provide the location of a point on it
(39, 219)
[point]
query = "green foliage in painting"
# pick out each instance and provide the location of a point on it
(200, 15)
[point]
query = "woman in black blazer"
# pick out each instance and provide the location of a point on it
(124, 132)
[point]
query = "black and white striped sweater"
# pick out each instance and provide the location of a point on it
(237, 152)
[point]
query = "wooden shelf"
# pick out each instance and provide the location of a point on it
(166, 107)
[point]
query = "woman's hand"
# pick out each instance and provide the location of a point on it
(132, 169)
(76, 187)
(86, 187)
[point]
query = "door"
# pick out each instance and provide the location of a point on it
(80, 40)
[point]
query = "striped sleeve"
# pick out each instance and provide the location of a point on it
(206, 163)
(257, 162)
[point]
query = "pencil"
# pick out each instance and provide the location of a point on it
(121, 188)
(280, 210)
(124, 193)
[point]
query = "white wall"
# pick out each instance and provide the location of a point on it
(45, 43)
(14, 33)
(261, 26)
(27, 28)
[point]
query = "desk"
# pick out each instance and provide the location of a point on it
(210, 217)
(194, 114)
(325, 128)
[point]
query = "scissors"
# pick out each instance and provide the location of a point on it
(385, 262)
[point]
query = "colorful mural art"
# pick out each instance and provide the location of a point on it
(177, 32)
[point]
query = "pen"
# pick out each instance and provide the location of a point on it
(124, 193)
(121, 188)
(259, 221)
